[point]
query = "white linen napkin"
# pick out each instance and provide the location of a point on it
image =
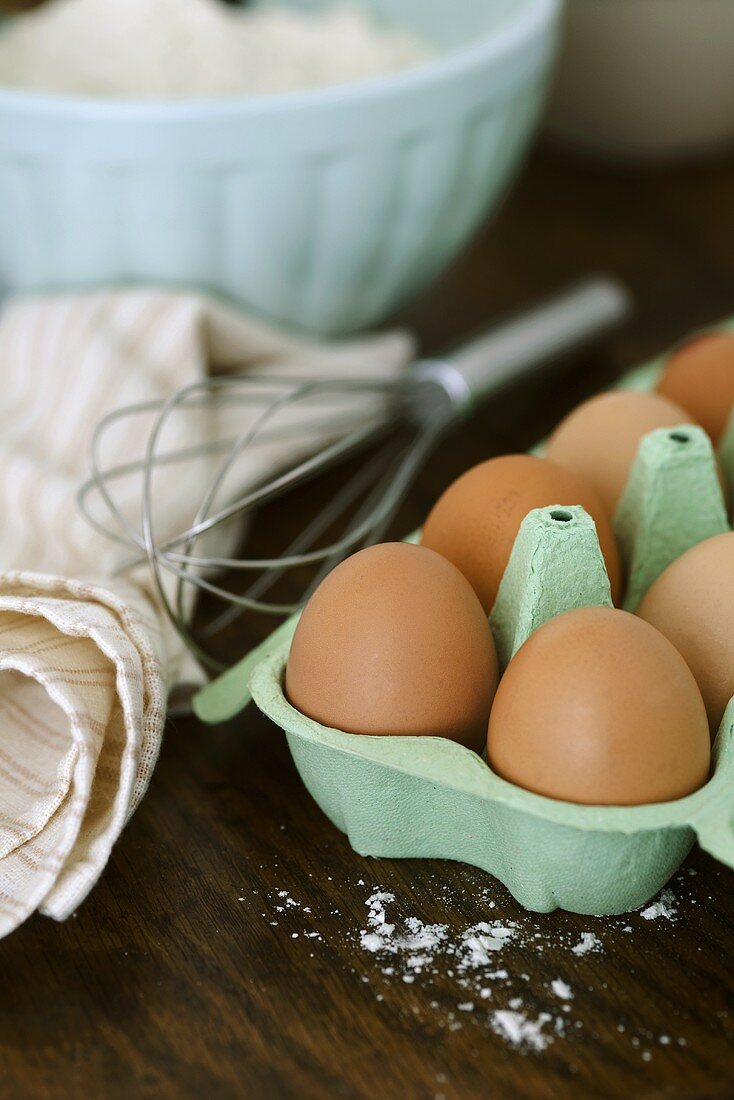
(85, 660)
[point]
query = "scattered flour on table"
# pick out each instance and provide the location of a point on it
(417, 943)
(468, 955)
(664, 907)
(484, 964)
(418, 940)
(589, 942)
(521, 1031)
(174, 49)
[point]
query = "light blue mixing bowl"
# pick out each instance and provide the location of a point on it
(322, 210)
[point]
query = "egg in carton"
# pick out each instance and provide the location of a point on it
(428, 797)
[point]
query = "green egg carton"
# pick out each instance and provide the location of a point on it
(426, 797)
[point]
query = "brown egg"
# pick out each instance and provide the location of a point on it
(598, 441)
(700, 378)
(598, 707)
(692, 604)
(475, 522)
(394, 641)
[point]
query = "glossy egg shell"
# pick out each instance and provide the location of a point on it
(692, 604)
(700, 378)
(395, 641)
(598, 707)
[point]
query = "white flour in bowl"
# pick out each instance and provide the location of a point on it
(180, 49)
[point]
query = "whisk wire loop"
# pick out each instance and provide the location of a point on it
(293, 427)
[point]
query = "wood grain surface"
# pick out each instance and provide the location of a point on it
(186, 974)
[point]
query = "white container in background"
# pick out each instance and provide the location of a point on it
(322, 210)
(646, 79)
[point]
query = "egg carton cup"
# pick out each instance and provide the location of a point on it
(428, 797)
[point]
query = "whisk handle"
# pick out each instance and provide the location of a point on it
(551, 329)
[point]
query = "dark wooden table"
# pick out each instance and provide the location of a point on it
(182, 977)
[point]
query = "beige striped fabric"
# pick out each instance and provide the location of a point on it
(86, 661)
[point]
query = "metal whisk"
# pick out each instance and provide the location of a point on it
(398, 421)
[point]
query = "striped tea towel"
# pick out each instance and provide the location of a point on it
(86, 661)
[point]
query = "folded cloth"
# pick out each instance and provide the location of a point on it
(86, 660)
